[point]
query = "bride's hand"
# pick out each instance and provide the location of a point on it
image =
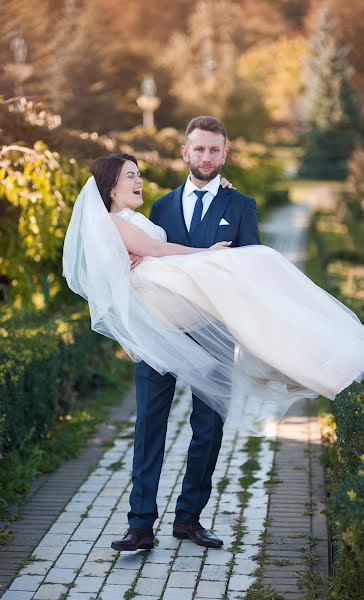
(225, 183)
(134, 260)
(220, 246)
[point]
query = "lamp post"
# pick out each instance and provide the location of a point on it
(148, 101)
(19, 70)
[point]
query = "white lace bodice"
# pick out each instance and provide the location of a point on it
(154, 231)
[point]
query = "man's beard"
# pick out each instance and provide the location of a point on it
(204, 176)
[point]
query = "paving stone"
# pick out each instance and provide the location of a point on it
(107, 554)
(27, 583)
(78, 548)
(95, 569)
(37, 568)
(147, 586)
(86, 534)
(55, 539)
(210, 589)
(70, 561)
(104, 541)
(218, 557)
(175, 594)
(155, 570)
(121, 577)
(214, 573)
(178, 579)
(240, 583)
(113, 592)
(244, 566)
(187, 563)
(168, 542)
(63, 528)
(129, 560)
(50, 591)
(94, 522)
(68, 517)
(88, 584)
(56, 575)
(252, 537)
(161, 555)
(46, 552)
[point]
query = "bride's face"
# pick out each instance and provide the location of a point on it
(127, 192)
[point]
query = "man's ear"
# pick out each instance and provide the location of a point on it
(224, 155)
(184, 153)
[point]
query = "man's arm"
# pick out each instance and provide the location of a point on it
(249, 228)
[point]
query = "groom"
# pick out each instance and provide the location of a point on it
(199, 213)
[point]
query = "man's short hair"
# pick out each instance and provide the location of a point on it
(206, 123)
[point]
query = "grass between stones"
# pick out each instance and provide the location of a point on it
(257, 590)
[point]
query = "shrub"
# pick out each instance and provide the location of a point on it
(37, 192)
(333, 262)
(46, 362)
(345, 506)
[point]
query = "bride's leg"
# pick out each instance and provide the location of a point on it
(154, 395)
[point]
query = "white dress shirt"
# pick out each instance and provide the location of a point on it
(189, 198)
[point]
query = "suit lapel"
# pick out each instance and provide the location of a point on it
(178, 214)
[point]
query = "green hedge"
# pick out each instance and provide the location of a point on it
(345, 505)
(46, 362)
(333, 248)
(334, 243)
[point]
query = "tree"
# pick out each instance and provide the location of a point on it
(350, 18)
(204, 64)
(274, 67)
(330, 107)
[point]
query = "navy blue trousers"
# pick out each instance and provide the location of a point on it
(154, 395)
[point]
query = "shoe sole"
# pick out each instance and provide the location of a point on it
(181, 536)
(184, 536)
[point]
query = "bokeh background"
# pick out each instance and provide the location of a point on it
(287, 79)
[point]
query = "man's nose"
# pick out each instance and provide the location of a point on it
(207, 155)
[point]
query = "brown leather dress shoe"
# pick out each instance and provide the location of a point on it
(195, 532)
(135, 539)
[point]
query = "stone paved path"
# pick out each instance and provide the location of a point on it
(297, 534)
(74, 559)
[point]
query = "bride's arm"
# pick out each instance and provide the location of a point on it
(138, 242)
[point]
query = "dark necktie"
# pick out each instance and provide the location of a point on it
(197, 211)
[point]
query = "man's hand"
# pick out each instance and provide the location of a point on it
(226, 184)
(135, 260)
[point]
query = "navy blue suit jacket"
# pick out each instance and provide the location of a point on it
(229, 204)
(236, 208)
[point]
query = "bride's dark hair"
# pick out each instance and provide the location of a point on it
(106, 170)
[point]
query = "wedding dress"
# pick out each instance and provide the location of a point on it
(244, 316)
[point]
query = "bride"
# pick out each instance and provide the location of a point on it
(183, 309)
